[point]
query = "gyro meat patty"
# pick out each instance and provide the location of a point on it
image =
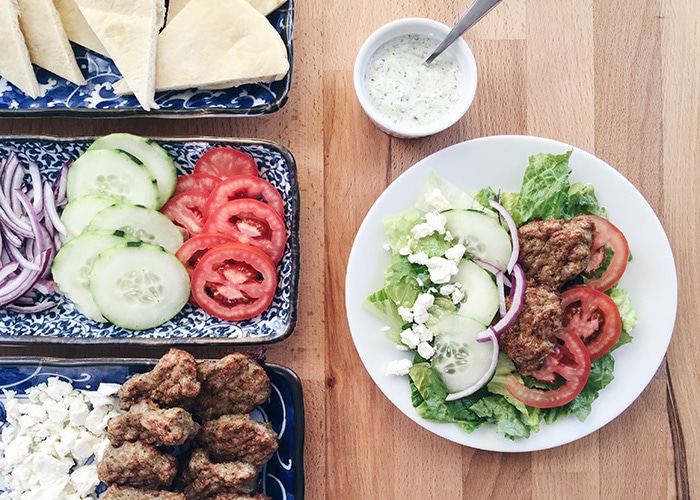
(116, 492)
(233, 384)
(527, 342)
(554, 252)
(238, 438)
(205, 479)
(146, 422)
(172, 382)
(137, 464)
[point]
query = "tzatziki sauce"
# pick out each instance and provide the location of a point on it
(407, 91)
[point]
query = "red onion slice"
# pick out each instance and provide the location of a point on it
(518, 297)
(29, 224)
(513, 230)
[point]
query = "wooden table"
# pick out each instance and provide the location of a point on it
(617, 78)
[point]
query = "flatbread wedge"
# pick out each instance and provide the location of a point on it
(47, 41)
(265, 7)
(215, 42)
(15, 64)
(77, 28)
(128, 29)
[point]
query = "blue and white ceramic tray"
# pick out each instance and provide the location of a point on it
(282, 477)
(61, 97)
(63, 323)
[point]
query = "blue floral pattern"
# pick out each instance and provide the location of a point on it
(192, 325)
(282, 477)
(97, 98)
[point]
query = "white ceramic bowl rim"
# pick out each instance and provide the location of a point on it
(416, 25)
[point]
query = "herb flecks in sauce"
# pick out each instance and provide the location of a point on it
(406, 91)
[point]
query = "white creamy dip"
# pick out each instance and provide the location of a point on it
(406, 91)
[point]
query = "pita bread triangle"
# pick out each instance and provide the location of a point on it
(77, 28)
(15, 64)
(128, 29)
(46, 40)
(238, 45)
(262, 6)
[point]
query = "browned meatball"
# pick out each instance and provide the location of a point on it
(146, 422)
(233, 384)
(116, 492)
(553, 252)
(238, 438)
(137, 464)
(205, 479)
(527, 342)
(172, 382)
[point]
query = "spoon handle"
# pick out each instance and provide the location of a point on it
(474, 13)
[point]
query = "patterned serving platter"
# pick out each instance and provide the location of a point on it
(282, 477)
(63, 323)
(97, 98)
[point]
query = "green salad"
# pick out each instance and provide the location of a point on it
(455, 284)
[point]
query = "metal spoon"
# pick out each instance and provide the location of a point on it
(474, 13)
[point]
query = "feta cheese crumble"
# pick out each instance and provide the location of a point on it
(399, 367)
(434, 223)
(437, 200)
(53, 439)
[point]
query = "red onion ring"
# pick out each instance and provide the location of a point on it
(513, 230)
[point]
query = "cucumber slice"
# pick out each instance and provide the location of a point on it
(112, 173)
(149, 226)
(150, 153)
(481, 300)
(461, 361)
(73, 262)
(139, 286)
(78, 213)
(484, 237)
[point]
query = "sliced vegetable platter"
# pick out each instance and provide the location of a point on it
(499, 162)
(282, 476)
(97, 98)
(64, 323)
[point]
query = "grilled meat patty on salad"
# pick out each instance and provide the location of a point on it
(553, 252)
(527, 342)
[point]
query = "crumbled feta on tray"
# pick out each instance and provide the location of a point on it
(53, 439)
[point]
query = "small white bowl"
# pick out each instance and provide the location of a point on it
(460, 52)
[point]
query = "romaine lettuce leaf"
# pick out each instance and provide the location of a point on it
(545, 188)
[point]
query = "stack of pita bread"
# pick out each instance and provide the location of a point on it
(205, 43)
(32, 32)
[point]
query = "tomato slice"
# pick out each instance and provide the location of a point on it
(244, 186)
(569, 360)
(252, 222)
(196, 182)
(224, 162)
(234, 281)
(187, 210)
(592, 316)
(192, 250)
(606, 233)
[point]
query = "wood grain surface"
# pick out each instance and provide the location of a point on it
(620, 79)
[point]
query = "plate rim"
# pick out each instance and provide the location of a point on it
(499, 443)
(293, 240)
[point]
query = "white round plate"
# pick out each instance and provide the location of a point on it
(499, 162)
